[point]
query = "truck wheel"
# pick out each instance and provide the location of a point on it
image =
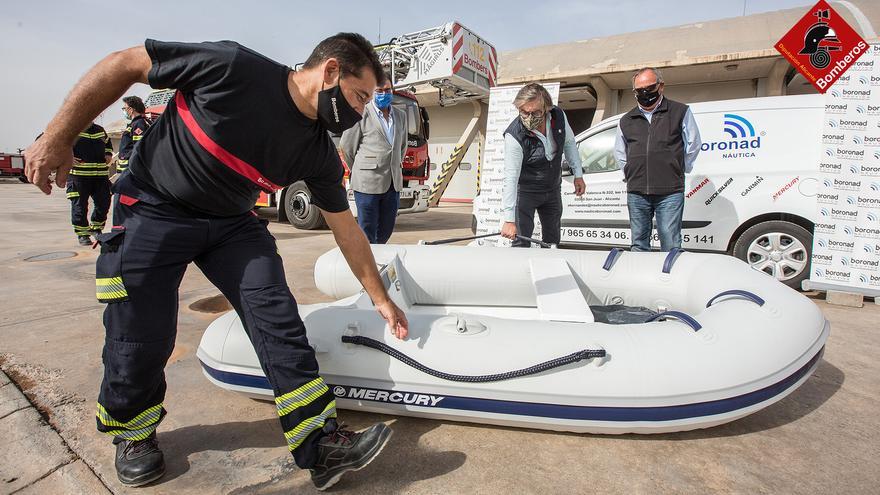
(779, 249)
(301, 213)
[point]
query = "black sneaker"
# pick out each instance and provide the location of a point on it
(139, 462)
(85, 240)
(343, 451)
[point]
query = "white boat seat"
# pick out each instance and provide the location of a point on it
(557, 293)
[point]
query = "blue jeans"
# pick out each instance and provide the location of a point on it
(667, 207)
(377, 214)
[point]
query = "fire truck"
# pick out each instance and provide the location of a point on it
(13, 165)
(294, 201)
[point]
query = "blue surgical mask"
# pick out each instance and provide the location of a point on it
(382, 100)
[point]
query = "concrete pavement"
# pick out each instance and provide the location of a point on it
(822, 438)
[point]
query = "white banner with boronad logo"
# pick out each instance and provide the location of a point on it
(487, 206)
(846, 245)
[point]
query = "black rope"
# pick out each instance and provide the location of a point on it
(531, 370)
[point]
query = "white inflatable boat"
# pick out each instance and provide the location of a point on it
(524, 337)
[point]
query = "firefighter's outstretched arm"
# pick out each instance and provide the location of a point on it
(105, 83)
(354, 246)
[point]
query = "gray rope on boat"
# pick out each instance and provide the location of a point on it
(531, 370)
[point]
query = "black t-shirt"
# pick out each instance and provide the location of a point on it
(231, 130)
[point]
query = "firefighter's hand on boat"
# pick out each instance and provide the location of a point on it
(45, 156)
(509, 230)
(395, 317)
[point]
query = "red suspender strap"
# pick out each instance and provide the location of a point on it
(225, 157)
(127, 200)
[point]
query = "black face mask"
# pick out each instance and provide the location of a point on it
(334, 112)
(647, 96)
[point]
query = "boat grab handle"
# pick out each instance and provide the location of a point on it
(679, 316)
(531, 370)
(738, 292)
(673, 255)
(612, 257)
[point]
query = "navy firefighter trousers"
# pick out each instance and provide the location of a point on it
(138, 273)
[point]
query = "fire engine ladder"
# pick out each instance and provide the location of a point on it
(409, 55)
(412, 54)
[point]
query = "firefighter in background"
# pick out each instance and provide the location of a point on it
(92, 153)
(133, 108)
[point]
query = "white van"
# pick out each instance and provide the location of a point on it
(752, 191)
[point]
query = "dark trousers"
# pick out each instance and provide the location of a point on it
(377, 214)
(668, 209)
(79, 190)
(549, 208)
(142, 262)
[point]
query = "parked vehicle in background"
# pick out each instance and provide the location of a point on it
(752, 192)
(12, 165)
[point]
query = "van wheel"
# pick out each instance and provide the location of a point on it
(301, 213)
(779, 249)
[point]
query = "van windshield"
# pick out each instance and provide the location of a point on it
(597, 152)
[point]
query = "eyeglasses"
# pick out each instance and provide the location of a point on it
(536, 114)
(383, 91)
(646, 89)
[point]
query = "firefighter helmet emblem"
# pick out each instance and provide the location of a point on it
(820, 39)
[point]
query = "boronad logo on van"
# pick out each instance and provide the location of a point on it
(738, 138)
(822, 46)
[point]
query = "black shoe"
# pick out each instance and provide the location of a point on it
(139, 462)
(85, 240)
(343, 451)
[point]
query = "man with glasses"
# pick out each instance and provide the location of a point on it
(133, 109)
(239, 123)
(534, 144)
(656, 145)
(374, 150)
